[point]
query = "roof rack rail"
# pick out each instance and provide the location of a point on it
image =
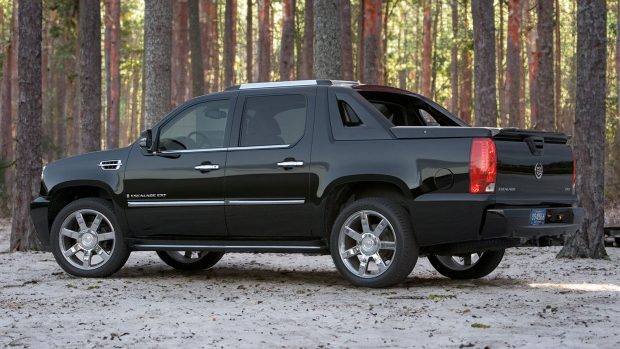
(293, 83)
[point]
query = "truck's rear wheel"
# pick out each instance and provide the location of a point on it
(467, 266)
(372, 243)
(86, 239)
(190, 260)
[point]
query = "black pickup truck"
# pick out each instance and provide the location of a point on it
(374, 175)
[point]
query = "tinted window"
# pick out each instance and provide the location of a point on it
(273, 120)
(201, 126)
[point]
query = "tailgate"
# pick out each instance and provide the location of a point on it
(533, 164)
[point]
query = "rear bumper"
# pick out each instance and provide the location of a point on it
(39, 209)
(515, 223)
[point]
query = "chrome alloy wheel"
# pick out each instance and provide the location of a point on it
(460, 262)
(86, 239)
(367, 244)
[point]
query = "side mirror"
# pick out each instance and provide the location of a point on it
(147, 141)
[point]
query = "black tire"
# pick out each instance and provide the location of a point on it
(205, 260)
(118, 252)
(487, 262)
(403, 254)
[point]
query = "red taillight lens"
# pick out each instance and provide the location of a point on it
(482, 166)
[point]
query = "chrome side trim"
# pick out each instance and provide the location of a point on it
(231, 247)
(265, 202)
(257, 147)
(254, 147)
(182, 203)
(175, 203)
(191, 151)
(256, 85)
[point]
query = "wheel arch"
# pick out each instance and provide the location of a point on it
(65, 193)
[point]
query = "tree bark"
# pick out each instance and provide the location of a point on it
(90, 76)
(308, 42)
(513, 63)
(215, 42)
(360, 41)
(179, 52)
(589, 139)
(466, 75)
(485, 102)
(454, 59)
(533, 58)
(347, 44)
(559, 117)
(198, 84)
(249, 40)
(499, 49)
(113, 83)
(427, 50)
(287, 44)
(205, 44)
(264, 46)
(230, 42)
(327, 40)
(546, 117)
(28, 153)
(157, 45)
(372, 41)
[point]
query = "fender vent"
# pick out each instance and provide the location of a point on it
(110, 164)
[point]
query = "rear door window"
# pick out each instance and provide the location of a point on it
(273, 120)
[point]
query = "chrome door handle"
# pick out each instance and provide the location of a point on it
(286, 164)
(207, 167)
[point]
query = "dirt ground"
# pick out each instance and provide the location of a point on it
(276, 300)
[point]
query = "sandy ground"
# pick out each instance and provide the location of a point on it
(276, 300)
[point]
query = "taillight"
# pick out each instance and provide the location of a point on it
(482, 166)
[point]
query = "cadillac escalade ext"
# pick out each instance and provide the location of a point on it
(373, 175)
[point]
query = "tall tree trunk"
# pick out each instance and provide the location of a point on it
(28, 154)
(454, 59)
(589, 139)
(215, 42)
(546, 118)
(249, 40)
(113, 83)
(347, 44)
(157, 45)
(466, 75)
(360, 41)
(485, 102)
(198, 84)
(307, 57)
(287, 45)
(180, 51)
(90, 76)
(383, 71)
(533, 59)
(559, 117)
(513, 63)
(230, 42)
(264, 46)
(205, 43)
(436, 19)
(327, 40)
(135, 87)
(427, 48)
(501, 88)
(6, 116)
(372, 41)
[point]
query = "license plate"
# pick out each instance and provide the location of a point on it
(537, 216)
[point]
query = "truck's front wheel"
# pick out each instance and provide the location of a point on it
(467, 266)
(372, 243)
(87, 240)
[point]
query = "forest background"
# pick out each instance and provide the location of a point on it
(507, 63)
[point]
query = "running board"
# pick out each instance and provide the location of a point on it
(315, 246)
